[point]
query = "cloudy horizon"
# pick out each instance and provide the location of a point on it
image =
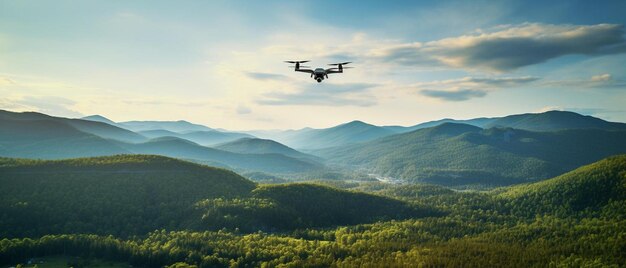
(220, 64)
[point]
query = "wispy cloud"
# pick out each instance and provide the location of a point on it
(454, 95)
(469, 87)
(241, 110)
(265, 76)
(596, 81)
(45, 104)
(509, 47)
(350, 94)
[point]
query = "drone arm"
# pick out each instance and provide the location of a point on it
(304, 70)
(333, 71)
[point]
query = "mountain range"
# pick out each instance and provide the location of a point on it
(35, 135)
(453, 153)
(491, 151)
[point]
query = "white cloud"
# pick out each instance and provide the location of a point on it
(508, 47)
(601, 77)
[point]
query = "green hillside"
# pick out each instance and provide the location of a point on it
(133, 194)
(121, 195)
(597, 189)
(461, 154)
(100, 129)
(262, 146)
(510, 227)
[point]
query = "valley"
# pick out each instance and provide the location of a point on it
(445, 193)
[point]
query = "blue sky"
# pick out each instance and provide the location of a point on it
(219, 63)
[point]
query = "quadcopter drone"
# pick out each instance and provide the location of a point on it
(319, 73)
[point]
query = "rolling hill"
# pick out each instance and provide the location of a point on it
(129, 195)
(460, 154)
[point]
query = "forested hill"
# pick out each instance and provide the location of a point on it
(598, 189)
(122, 195)
(128, 195)
(463, 154)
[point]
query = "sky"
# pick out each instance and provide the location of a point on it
(220, 63)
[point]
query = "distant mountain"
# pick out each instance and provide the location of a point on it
(206, 138)
(462, 154)
(344, 134)
(479, 122)
(56, 138)
(598, 189)
(552, 121)
(546, 121)
(180, 126)
(261, 146)
(51, 139)
(184, 149)
(97, 128)
(99, 118)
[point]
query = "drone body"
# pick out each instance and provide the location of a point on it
(319, 74)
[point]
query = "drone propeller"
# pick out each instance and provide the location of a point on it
(302, 61)
(341, 68)
(341, 63)
(299, 66)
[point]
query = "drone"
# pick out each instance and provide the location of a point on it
(319, 73)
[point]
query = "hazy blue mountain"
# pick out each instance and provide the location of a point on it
(553, 120)
(546, 121)
(100, 129)
(479, 122)
(459, 153)
(99, 118)
(206, 138)
(262, 146)
(51, 139)
(180, 148)
(155, 133)
(348, 133)
(180, 126)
